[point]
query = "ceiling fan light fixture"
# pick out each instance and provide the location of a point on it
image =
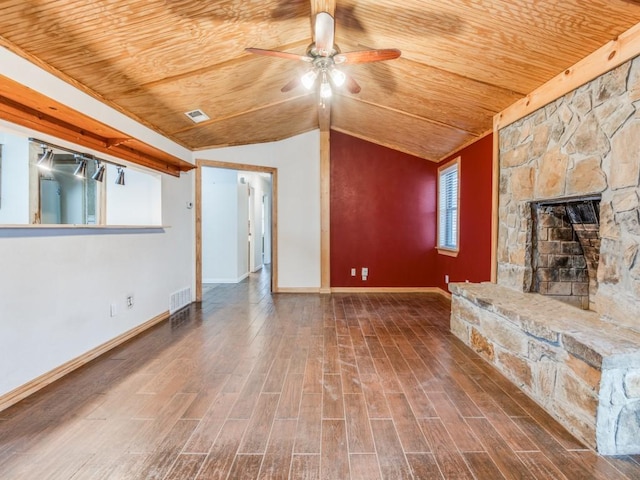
(337, 76)
(325, 90)
(308, 79)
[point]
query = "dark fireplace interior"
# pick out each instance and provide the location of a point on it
(566, 249)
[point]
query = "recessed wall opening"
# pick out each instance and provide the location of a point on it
(566, 249)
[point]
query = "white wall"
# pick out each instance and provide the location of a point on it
(56, 285)
(298, 162)
(219, 226)
(242, 264)
(137, 202)
(14, 199)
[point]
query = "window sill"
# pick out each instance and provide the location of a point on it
(66, 226)
(447, 252)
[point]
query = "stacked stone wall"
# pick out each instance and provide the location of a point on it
(586, 142)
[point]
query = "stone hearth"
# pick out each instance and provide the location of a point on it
(582, 366)
(583, 372)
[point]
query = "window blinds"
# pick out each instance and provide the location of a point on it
(448, 208)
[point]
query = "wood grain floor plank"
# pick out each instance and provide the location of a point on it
(450, 461)
(364, 466)
(260, 424)
(289, 406)
(334, 462)
(357, 423)
(374, 397)
(158, 464)
(207, 430)
(223, 452)
(393, 463)
(540, 466)
(515, 437)
(406, 424)
(483, 466)
(277, 459)
(462, 435)
(332, 402)
(313, 371)
(205, 397)
(155, 431)
(186, 466)
(248, 397)
(625, 464)
(277, 374)
(504, 458)
(245, 467)
(305, 467)
(349, 368)
(309, 432)
(387, 375)
(424, 466)
(420, 403)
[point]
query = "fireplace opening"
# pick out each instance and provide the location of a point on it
(566, 249)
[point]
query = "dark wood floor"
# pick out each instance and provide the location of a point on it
(250, 385)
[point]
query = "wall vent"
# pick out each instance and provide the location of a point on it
(197, 115)
(179, 299)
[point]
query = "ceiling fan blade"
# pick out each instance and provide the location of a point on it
(324, 33)
(291, 85)
(367, 56)
(351, 85)
(276, 53)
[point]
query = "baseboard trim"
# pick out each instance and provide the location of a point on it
(297, 290)
(45, 379)
(390, 290)
(437, 290)
(225, 280)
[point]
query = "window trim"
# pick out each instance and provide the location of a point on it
(444, 250)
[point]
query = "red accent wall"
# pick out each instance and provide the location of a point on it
(473, 262)
(383, 215)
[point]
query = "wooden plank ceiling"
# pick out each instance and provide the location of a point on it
(462, 62)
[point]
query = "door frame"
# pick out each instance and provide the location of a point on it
(274, 216)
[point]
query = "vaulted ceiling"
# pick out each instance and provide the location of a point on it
(462, 62)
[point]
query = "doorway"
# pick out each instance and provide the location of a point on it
(242, 238)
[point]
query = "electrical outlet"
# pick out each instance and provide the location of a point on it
(365, 272)
(130, 301)
(353, 272)
(446, 279)
(113, 309)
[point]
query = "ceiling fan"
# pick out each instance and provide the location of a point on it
(324, 57)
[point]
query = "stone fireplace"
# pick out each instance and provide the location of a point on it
(569, 230)
(566, 249)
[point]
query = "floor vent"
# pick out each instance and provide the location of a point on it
(179, 299)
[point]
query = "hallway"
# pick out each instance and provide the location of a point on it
(302, 386)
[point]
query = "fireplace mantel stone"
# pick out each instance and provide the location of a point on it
(581, 369)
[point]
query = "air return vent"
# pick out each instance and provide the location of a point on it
(179, 299)
(197, 115)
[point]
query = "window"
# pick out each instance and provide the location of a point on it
(448, 212)
(61, 189)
